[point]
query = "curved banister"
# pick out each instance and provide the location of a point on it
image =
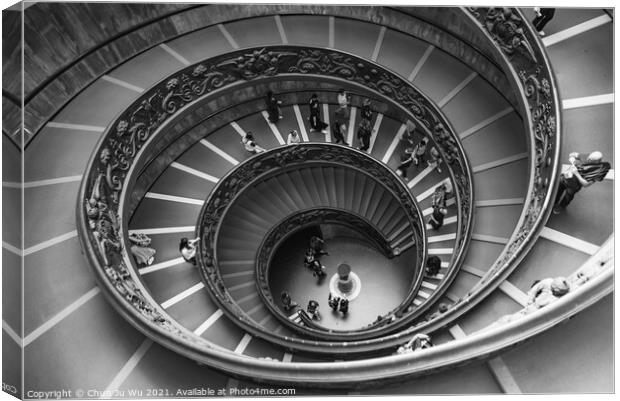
(525, 60)
(105, 186)
(102, 234)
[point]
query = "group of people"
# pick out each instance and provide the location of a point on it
(145, 255)
(140, 249)
(439, 204)
(338, 304)
(417, 153)
(341, 118)
(313, 255)
(288, 304)
(340, 121)
(316, 250)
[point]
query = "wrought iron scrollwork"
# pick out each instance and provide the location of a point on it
(106, 177)
(519, 44)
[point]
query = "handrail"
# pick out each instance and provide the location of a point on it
(536, 85)
(527, 63)
(105, 186)
(596, 265)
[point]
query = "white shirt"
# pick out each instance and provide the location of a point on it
(251, 146)
(188, 253)
(292, 139)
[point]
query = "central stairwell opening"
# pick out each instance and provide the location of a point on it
(382, 283)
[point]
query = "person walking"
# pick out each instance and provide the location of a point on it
(434, 159)
(436, 219)
(273, 108)
(333, 302)
(293, 137)
(366, 112)
(406, 160)
(188, 249)
(316, 124)
(543, 16)
(363, 134)
(419, 152)
(338, 130)
(145, 255)
(579, 174)
(343, 104)
(433, 264)
(250, 144)
(287, 302)
(313, 310)
(343, 306)
(318, 246)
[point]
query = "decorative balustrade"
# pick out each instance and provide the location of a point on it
(525, 61)
(104, 188)
(533, 77)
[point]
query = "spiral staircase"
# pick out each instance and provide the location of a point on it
(173, 326)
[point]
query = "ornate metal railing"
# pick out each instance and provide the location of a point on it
(524, 60)
(528, 64)
(101, 235)
(105, 181)
(117, 158)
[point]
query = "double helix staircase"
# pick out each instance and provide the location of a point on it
(71, 315)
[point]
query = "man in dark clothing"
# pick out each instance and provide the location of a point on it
(433, 264)
(273, 108)
(366, 112)
(333, 302)
(543, 16)
(419, 152)
(338, 130)
(344, 306)
(363, 134)
(436, 220)
(318, 246)
(579, 174)
(313, 310)
(287, 303)
(316, 124)
(405, 162)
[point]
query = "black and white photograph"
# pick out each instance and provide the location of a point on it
(241, 199)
